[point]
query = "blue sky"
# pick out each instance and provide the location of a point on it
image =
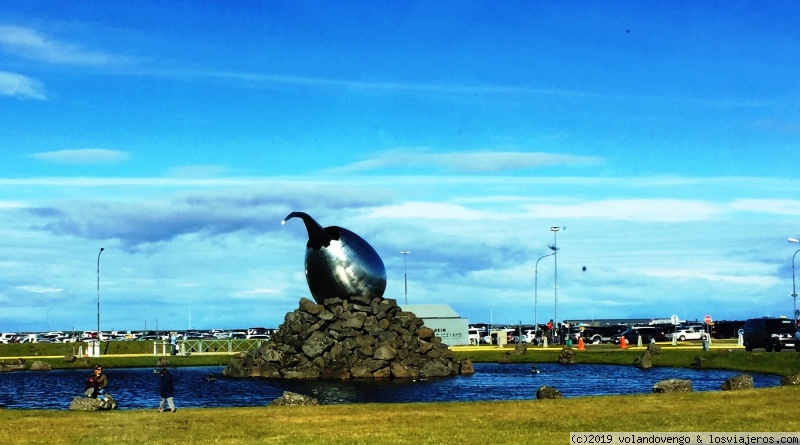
(662, 136)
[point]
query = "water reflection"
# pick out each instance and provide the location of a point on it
(138, 388)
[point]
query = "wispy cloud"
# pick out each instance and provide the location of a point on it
(82, 156)
(31, 44)
(197, 171)
(40, 289)
(427, 210)
(255, 293)
(771, 206)
(467, 162)
(17, 85)
(251, 78)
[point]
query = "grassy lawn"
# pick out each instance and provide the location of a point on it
(505, 422)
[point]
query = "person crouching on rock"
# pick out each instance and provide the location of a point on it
(91, 388)
(102, 382)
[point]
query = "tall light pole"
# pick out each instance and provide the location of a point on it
(405, 274)
(535, 293)
(98, 292)
(47, 316)
(554, 248)
(794, 290)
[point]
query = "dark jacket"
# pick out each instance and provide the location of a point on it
(91, 386)
(167, 384)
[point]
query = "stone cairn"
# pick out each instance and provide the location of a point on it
(344, 339)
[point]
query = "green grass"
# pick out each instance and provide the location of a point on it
(512, 422)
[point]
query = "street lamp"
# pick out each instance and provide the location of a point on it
(98, 292)
(47, 317)
(554, 248)
(405, 274)
(535, 292)
(794, 290)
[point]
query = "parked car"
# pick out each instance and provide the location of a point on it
(770, 333)
(648, 334)
(596, 334)
(683, 334)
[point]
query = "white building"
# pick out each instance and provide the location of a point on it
(444, 321)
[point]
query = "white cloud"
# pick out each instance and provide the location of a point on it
(470, 162)
(17, 85)
(31, 44)
(82, 156)
(196, 171)
(256, 293)
(426, 210)
(713, 276)
(771, 206)
(643, 210)
(40, 289)
(11, 205)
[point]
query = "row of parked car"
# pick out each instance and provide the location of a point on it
(770, 333)
(70, 337)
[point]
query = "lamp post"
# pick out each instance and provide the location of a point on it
(554, 248)
(47, 317)
(405, 274)
(535, 293)
(98, 292)
(794, 290)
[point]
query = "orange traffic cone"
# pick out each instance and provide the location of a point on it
(581, 346)
(623, 344)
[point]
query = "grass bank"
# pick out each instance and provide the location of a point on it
(512, 422)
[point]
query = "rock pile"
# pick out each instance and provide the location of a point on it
(93, 404)
(344, 339)
(293, 399)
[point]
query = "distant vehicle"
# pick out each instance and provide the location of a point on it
(257, 331)
(772, 334)
(683, 334)
(474, 336)
(259, 337)
(596, 334)
(648, 334)
(7, 337)
(727, 328)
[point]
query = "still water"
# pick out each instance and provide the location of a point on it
(137, 388)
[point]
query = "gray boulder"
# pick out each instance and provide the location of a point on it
(548, 392)
(790, 380)
(567, 356)
(741, 381)
(39, 365)
(672, 385)
(92, 404)
(465, 367)
(293, 399)
(645, 361)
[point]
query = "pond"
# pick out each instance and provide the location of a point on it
(137, 388)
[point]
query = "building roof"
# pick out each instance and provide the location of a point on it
(429, 311)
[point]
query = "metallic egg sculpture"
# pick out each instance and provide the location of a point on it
(339, 263)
